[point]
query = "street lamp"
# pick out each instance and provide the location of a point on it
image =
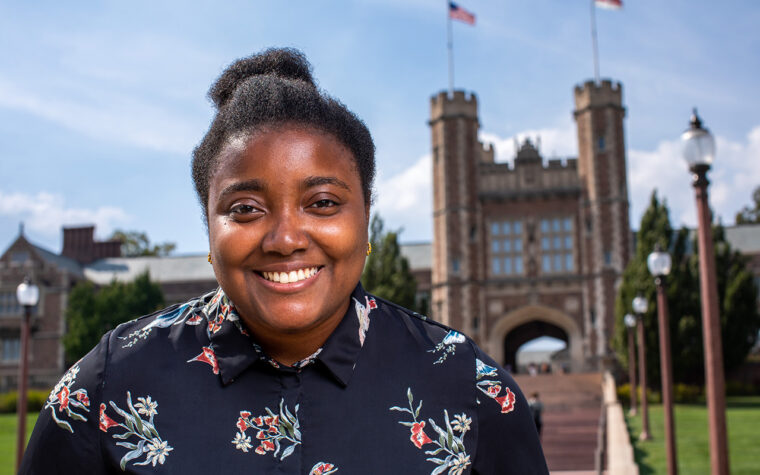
(640, 308)
(28, 295)
(699, 152)
(630, 323)
(659, 266)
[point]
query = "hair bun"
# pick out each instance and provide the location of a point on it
(285, 63)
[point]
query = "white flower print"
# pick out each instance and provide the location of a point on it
(242, 442)
(147, 406)
(157, 451)
(461, 423)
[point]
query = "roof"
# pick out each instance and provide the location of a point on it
(161, 269)
(419, 255)
(57, 260)
(744, 238)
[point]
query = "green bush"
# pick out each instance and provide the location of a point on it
(687, 393)
(624, 394)
(35, 399)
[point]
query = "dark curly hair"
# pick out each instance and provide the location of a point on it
(272, 88)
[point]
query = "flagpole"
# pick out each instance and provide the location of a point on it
(594, 43)
(450, 45)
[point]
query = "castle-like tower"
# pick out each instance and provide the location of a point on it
(606, 245)
(534, 248)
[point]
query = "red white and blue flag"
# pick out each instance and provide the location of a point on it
(458, 13)
(609, 4)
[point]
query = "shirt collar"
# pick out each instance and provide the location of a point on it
(235, 350)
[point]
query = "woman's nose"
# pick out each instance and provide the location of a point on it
(286, 236)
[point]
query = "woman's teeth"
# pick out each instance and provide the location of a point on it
(290, 277)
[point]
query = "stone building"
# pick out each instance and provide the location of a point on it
(536, 248)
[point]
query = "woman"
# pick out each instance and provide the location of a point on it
(290, 366)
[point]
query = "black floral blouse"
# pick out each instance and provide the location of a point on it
(186, 390)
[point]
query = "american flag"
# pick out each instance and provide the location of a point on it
(458, 13)
(609, 4)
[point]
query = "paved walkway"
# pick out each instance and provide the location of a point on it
(572, 406)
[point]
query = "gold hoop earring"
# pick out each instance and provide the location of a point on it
(209, 257)
(369, 248)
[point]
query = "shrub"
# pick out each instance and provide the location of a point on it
(35, 399)
(737, 388)
(687, 393)
(624, 394)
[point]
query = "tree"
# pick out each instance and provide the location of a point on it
(136, 243)
(91, 312)
(386, 273)
(750, 215)
(736, 291)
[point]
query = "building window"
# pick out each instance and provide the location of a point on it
(557, 239)
(546, 263)
(506, 247)
(600, 143)
(455, 265)
(9, 304)
(607, 258)
(11, 349)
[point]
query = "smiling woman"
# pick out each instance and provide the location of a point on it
(302, 371)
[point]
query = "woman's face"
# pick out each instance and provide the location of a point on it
(288, 229)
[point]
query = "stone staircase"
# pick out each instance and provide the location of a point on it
(572, 407)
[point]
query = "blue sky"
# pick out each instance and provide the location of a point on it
(101, 103)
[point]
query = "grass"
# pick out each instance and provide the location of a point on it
(692, 438)
(8, 440)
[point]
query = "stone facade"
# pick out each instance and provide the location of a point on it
(536, 248)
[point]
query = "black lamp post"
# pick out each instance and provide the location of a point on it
(640, 308)
(28, 295)
(630, 324)
(699, 152)
(659, 266)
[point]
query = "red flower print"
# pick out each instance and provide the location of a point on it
(242, 424)
(207, 356)
(245, 414)
(507, 401)
(322, 468)
(82, 397)
(261, 435)
(266, 446)
(105, 421)
(194, 320)
(494, 390)
(258, 421)
(419, 437)
(63, 398)
(371, 303)
(271, 421)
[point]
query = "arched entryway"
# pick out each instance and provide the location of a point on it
(526, 332)
(532, 321)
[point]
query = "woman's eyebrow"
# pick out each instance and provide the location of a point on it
(248, 185)
(324, 180)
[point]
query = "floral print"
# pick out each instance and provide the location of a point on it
(362, 313)
(209, 357)
(272, 430)
(447, 346)
(322, 468)
(68, 401)
(176, 317)
(141, 436)
(450, 442)
(492, 388)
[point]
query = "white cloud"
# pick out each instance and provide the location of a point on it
(46, 213)
(122, 119)
(735, 173)
(406, 200)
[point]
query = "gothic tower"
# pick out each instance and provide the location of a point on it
(456, 273)
(605, 240)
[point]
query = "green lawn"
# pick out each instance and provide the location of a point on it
(692, 438)
(8, 440)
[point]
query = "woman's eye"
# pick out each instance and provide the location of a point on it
(241, 209)
(244, 212)
(324, 203)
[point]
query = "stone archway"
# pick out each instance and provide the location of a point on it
(530, 320)
(526, 332)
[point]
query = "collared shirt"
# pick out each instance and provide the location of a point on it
(187, 390)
